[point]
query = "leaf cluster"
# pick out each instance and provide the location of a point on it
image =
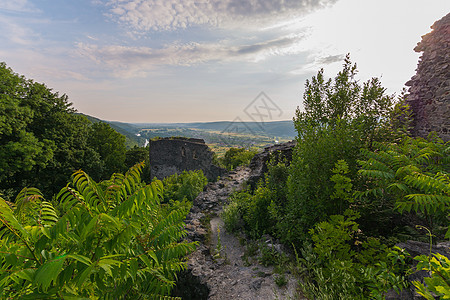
(110, 239)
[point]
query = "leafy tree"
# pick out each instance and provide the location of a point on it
(103, 240)
(19, 148)
(41, 140)
(340, 116)
(110, 145)
(136, 155)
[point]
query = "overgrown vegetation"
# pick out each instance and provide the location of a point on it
(43, 141)
(234, 157)
(357, 184)
(184, 186)
(110, 239)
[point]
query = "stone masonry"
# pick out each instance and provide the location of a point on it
(170, 156)
(429, 89)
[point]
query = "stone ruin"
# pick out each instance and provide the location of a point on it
(429, 89)
(170, 156)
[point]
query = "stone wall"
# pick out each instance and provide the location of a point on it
(258, 165)
(429, 89)
(175, 155)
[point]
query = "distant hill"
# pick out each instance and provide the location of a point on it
(283, 129)
(253, 133)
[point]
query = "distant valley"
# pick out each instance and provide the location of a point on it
(219, 135)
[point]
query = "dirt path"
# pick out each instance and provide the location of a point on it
(227, 275)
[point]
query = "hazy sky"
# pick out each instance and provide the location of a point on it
(206, 60)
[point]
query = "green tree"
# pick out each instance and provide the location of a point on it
(42, 141)
(110, 145)
(340, 116)
(97, 240)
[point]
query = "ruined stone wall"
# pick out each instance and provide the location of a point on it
(429, 89)
(175, 155)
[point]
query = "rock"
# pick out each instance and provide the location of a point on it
(258, 165)
(429, 89)
(415, 248)
(256, 284)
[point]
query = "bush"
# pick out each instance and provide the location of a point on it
(187, 185)
(343, 264)
(103, 240)
(232, 217)
(410, 176)
(237, 157)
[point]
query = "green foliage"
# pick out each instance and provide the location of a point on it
(280, 280)
(231, 216)
(237, 157)
(439, 282)
(345, 265)
(258, 210)
(413, 174)
(340, 116)
(187, 185)
(234, 212)
(343, 185)
(43, 141)
(103, 240)
(110, 145)
(136, 155)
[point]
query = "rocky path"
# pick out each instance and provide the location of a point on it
(227, 276)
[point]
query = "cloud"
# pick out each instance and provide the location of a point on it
(13, 31)
(133, 61)
(159, 15)
(20, 6)
(329, 59)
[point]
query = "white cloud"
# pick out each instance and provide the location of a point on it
(18, 6)
(135, 61)
(145, 15)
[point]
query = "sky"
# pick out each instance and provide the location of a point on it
(162, 61)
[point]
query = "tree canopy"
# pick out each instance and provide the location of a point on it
(43, 141)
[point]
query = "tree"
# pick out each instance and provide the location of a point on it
(340, 116)
(110, 145)
(42, 141)
(111, 239)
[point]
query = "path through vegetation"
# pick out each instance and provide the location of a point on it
(222, 260)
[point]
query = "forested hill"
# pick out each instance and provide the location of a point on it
(284, 129)
(126, 129)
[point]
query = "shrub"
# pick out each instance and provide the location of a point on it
(336, 269)
(232, 217)
(102, 240)
(412, 175)
(237, 157)
(187, 185)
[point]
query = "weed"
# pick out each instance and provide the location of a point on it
(281, 280)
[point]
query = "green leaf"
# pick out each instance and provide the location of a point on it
(83, 259)
(49, 271)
